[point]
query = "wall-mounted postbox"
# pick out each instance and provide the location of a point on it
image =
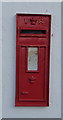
(32, 59)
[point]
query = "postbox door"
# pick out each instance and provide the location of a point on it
(32, 73)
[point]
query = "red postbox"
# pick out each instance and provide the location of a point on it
(32, 59)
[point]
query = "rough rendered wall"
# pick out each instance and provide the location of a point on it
(9, 45)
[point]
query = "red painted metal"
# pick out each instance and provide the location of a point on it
(32, 87)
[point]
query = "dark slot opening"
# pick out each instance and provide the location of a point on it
(32, 31)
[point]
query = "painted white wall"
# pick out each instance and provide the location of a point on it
(9, 51)
(0, 60)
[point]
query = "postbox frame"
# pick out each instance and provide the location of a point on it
(45, 102)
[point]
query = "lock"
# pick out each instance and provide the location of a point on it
(32, 59)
